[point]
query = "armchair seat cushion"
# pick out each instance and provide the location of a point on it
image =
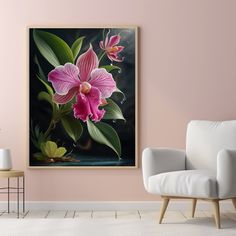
(187, 183)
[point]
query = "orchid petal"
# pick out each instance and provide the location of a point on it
(87, 106)
(63, 99)
(119, 49)
(86, 63)
(64, 78)
(107, 39)
(94, 98)
(81, 108)
(115, 39)
(103, 81)
(114, 57)
(103, 102)
(101, 44)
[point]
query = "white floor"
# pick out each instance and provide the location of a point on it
(115, 223)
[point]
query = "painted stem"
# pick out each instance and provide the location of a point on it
(51, 126)
(100, 57)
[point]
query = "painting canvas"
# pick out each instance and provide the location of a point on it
(83, 97)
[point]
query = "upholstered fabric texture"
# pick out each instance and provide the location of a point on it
(198, 183)
(205, 139)
(206, 170)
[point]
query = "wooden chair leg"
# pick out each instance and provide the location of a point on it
(163, 209)
(234, 202)
(194, 203)
(216, 212)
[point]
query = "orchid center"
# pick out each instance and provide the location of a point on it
(85, 87)
(113, 49)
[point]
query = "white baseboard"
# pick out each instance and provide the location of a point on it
(114, 205)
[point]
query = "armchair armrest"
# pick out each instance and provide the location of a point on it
(159, 160)
(226, 173)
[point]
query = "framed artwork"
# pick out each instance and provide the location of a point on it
(83, 97)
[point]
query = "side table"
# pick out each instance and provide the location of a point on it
(18, 190)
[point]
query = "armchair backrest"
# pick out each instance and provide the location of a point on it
(205, 139)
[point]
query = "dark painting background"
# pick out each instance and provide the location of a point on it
(86, 150)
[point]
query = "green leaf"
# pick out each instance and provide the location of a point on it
(105, 134)
(67, 108)
(60, 152)
(37, 137)
(39, 156)
(54, 49)
(113, 111)
(44, 96)
(47, 86)
(110, 68)
(76, 46)
(41, 73)
(36, 131)
(51, 150)
(72, 126)
(120, 92)
(42, 78)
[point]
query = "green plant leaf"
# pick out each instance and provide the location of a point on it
(44, 96)
(105, 134)
(110, 68)
(60, 152)
(37, 137)
(120, 92)
(39, 156)
(41, 73)
(113, 111)
(76, 46)
(67, 108)
(42, 78)
(50, 149)
(47, 86)
(72, 126)
(54, 49)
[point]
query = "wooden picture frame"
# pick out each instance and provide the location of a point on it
(109, 136)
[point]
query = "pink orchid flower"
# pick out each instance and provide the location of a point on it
(91, 86)
(111, 48)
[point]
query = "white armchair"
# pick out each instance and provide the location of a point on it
(206, 170)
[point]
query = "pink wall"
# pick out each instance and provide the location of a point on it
(187, 68)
